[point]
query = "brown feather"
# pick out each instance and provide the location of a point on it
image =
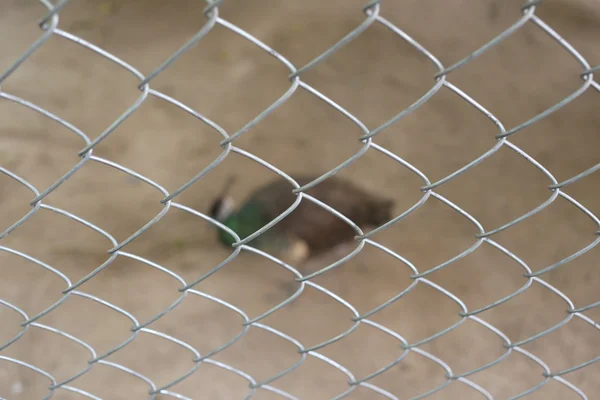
(316, 226)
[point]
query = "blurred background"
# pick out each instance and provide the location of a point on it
(229, 80)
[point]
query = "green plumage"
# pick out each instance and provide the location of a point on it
(247, 220)
(318, 228)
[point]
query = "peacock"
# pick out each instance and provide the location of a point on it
(310, 230)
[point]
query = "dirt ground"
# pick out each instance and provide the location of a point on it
(230, 81)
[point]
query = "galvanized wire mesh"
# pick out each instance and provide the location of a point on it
(374, 14)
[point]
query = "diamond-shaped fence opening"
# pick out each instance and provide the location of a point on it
(432, 303)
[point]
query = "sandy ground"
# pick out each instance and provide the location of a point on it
(230, 81)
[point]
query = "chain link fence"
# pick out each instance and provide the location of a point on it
(374, 12)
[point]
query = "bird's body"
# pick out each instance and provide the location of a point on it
(310, 229)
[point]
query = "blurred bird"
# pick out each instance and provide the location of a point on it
(309, 230)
